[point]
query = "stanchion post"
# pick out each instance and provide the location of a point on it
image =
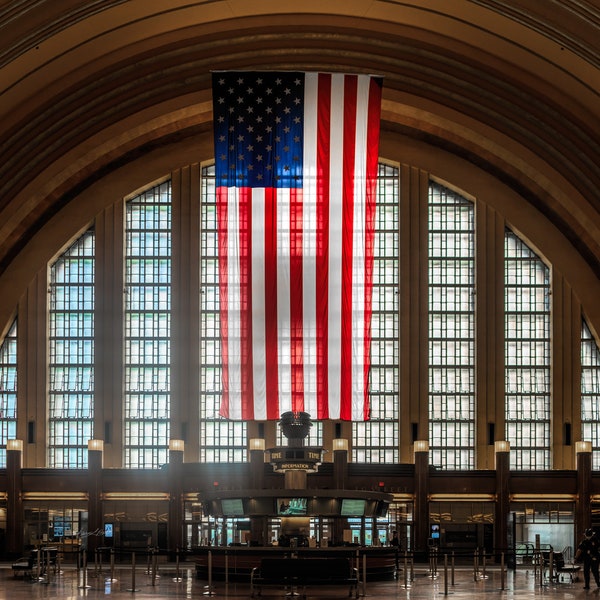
(445, 574)
(452, 568)
(177, 577)
(153, 563)
(405, 570)
(48, 572)
(112, 564)
(84, 585)
(484, 563)
(133, 588)
(364, 574)
(475, 566)
(38, 565)
(412, 567)
(209, 591)
(502, 571)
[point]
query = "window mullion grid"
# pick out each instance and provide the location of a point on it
(590, 393)
(527, 356)
(377, 440)
(451, 330)
(148, 328)
(220, 440)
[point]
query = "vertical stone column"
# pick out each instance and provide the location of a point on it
(421, 511)
(340, 473)
(95, 514)
(258, 525)
(14, 488)
(502, 450)
(175, 536)
(583, 459)
(340, 463)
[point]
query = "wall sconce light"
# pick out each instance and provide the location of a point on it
(421, 446)
(583, 447)
(340, 444)
(14, 445)
(501, 446)
(176, 445)
(96, 445)
(256, 444)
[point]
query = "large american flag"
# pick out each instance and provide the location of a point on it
(296, 164)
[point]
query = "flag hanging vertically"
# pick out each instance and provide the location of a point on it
(296, 165)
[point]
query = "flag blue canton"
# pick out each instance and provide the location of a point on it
(259, 124)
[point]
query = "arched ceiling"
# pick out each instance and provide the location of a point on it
(510, 85)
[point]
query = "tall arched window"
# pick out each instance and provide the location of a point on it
(8, 390)
(451, 329)
(376, 440)
(71, 355)
(147, 328)
(590, 393)
(527, 355)
(220, 440)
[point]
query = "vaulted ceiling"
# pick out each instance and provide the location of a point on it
(87, 86)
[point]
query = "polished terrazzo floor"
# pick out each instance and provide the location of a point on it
(462, 583)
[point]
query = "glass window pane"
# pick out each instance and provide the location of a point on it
(71, 355)
(220, 440)
(147, 371)
(451, 329)
(8, 390)
(590, 393)
(527, 356)
(377, 440)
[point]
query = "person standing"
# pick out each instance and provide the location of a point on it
(588, 552)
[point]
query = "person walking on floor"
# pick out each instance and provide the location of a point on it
(588, 552)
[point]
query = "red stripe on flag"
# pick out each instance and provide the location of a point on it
(322, 240)
(373, 125)
(350, 95)
(222, 223)
(245, 254)
(296, 297)
(271, 346)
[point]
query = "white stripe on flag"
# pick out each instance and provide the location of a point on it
(336, 161)
(284, 352)
(233, 304)
(358, 259)
(258, 304)
(309, 244)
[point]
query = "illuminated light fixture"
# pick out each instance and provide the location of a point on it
(55, 496)
(544, 497)
(96, 445)
(176, 445)
(135, 496)
(581, 447)
(462, 497)
(256, 444)
(340, 444)
(3, 495)
(14, 445)
(402, 497)
(501, 446)
(421, 446)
